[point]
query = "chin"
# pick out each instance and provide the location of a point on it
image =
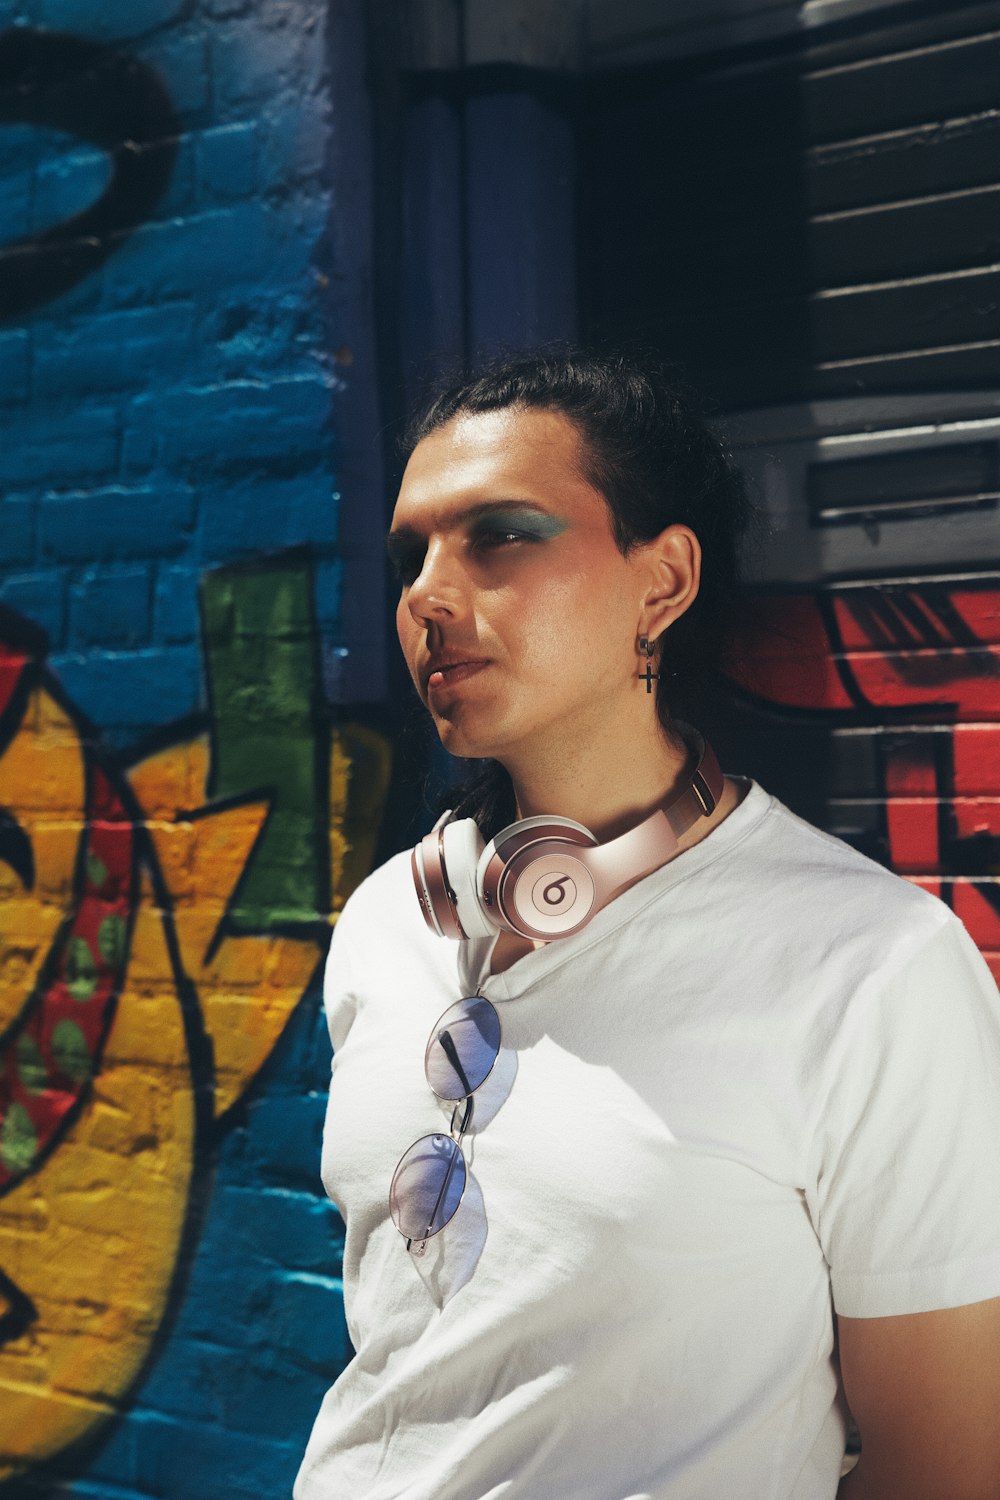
(463, 740)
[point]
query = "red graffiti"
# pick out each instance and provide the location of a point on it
(920, 663)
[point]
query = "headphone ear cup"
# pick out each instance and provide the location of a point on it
(462, 847)
(534, 875)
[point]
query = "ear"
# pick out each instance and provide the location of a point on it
(673, 572)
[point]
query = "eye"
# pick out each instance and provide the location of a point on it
(488, 537)
(406, 558)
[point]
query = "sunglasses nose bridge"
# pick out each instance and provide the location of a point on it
(467, 1113)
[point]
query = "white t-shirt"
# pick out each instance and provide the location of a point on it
(761, 1085)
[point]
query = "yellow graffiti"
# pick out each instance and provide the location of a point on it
(92, 1238)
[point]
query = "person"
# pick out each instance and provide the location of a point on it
(734, 1173)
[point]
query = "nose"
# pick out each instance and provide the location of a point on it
(438, 591)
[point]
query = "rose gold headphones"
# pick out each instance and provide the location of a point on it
(544, 878)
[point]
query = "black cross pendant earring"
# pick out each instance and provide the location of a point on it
(649, 676)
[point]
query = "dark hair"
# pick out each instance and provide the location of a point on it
(648, 451)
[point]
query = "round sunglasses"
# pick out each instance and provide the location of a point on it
(429, 1182)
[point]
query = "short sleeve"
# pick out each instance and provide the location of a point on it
(904, 1182)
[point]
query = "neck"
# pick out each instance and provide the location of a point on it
(607, 793)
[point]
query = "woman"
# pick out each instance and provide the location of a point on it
(747, 1110)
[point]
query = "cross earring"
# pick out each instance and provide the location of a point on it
(647, 648)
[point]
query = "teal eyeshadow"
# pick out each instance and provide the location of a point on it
(532, 522)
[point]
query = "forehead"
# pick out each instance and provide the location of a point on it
(511, 454)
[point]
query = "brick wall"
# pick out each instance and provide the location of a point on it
(180, 816)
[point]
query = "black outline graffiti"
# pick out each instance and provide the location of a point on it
(15, 849)
(21, 1311)
(103, 95)
(23, 636)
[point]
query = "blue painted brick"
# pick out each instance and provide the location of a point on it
(15, 352)
(308, 1322)
(305, 1045)
(246, 244)
(279, 1227)
(41, 598)
(101, 1489)
(183, 61)
(112, 1468)
(328, 590)
(115, 351)
(20, 146)
(222, 1310)
(285, 1138)
(110, 609)
(140, 439)
(263, 514)
(17, 529)
(108, 22)
(283, 1401)
(313, 512)
(68, 183)
(192, 1461)
(227, 161)
(255, 332)
(251, 63)
(115, 524)
(201, 1376)
(58, 446)
(294, 148)
(181, 194)
(246, 421)
(175, 608)
(240, 520)
(126, 693)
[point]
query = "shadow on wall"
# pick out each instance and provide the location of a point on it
(160, 920)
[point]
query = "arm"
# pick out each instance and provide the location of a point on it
(924, 1389)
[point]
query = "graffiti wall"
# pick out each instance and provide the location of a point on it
(905, 679)
(806, 226)
(182, 812)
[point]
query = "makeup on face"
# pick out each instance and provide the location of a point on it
(492, 524)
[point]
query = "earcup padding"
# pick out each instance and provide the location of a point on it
(463, 848)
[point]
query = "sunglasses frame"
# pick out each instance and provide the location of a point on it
(415, 1246)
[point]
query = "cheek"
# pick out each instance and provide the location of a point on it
(408, 633)
(405, 626)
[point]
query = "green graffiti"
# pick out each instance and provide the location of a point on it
(18, 1141)
(270, 734)
(69, 1049)
(81, 970)
(97, 872)
(111, 940)
(30, 1064)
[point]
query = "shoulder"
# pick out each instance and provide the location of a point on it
(831, 896)
(383, 899)
(378, 934)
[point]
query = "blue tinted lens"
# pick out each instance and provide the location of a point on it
(463, 1047)
(427, 1186)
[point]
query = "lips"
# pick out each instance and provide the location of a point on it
(448, 670)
